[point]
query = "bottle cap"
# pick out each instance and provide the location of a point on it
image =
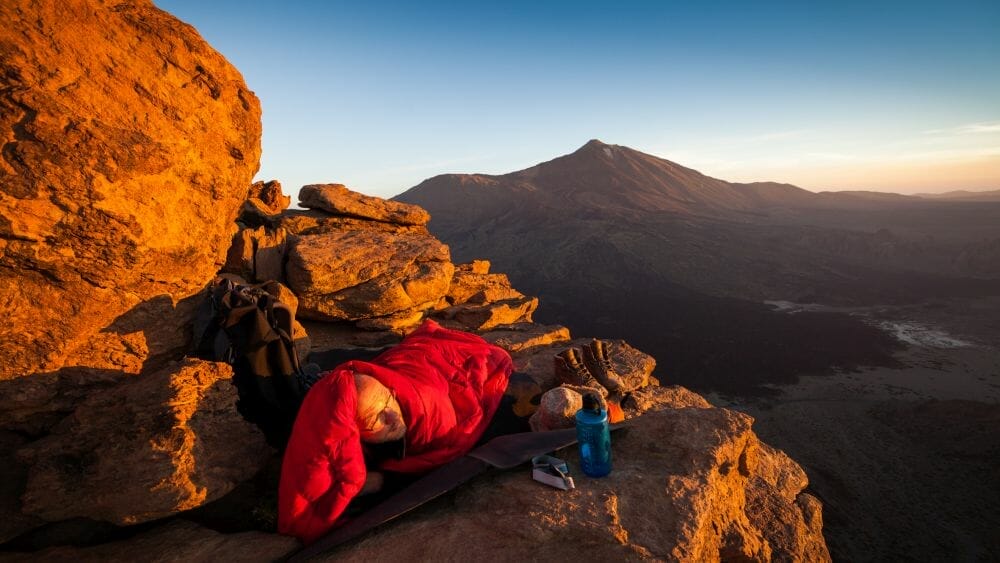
(591, 403)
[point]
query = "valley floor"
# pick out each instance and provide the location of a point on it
(907, 460)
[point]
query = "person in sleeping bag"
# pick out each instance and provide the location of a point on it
(433, 395)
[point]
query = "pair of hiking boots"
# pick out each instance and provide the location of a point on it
(589, 366)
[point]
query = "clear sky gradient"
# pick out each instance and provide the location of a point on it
(891, 96)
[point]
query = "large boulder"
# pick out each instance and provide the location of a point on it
(354, 275)
(688, 484)
(128, 146)
(152, 446)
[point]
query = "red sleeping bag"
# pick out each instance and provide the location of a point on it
(448, 384)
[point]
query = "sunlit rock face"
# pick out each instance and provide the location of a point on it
(351, 275)
(338, 200)
(128, 145)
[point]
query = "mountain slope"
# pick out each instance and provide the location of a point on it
(609, 178)
(963, 195)
(618, 242)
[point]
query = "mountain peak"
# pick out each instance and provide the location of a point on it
(595, 146)
(618, 179)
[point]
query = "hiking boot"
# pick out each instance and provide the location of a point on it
(595, 356)
(571, 370)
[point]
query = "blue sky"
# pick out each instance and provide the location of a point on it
(894, 96)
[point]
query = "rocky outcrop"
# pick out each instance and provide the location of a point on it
(308, 221)
(480, 301)
(134, 342)
(265, 201)
(687, 485)
(353, 275)
(128, 146)
(336, 199)
(489, 315)
(520, 337)
(351, 257)
(691, 482)
(151, 447)
(474, 284)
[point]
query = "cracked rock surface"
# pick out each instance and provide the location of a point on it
(127, 144)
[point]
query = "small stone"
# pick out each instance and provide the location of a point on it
(557, 410)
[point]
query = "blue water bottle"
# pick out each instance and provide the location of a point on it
(594, 437)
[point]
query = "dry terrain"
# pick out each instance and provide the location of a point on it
(904, 459)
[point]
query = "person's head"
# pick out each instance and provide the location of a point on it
(379, 416)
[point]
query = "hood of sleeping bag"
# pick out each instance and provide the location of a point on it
(448, 384)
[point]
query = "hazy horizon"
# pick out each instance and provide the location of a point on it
(894, 97)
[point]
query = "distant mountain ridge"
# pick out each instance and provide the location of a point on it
(620, 180)
(964, 195)
(614, 190)
(605, 177)
(618, 242)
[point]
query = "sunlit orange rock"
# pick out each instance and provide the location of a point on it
(472, 284)
(488, 314)
(354, 275)
(338, 200)
(520, 337)
(128, 145)
(264, 202)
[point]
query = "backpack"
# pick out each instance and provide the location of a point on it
(249, 328)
